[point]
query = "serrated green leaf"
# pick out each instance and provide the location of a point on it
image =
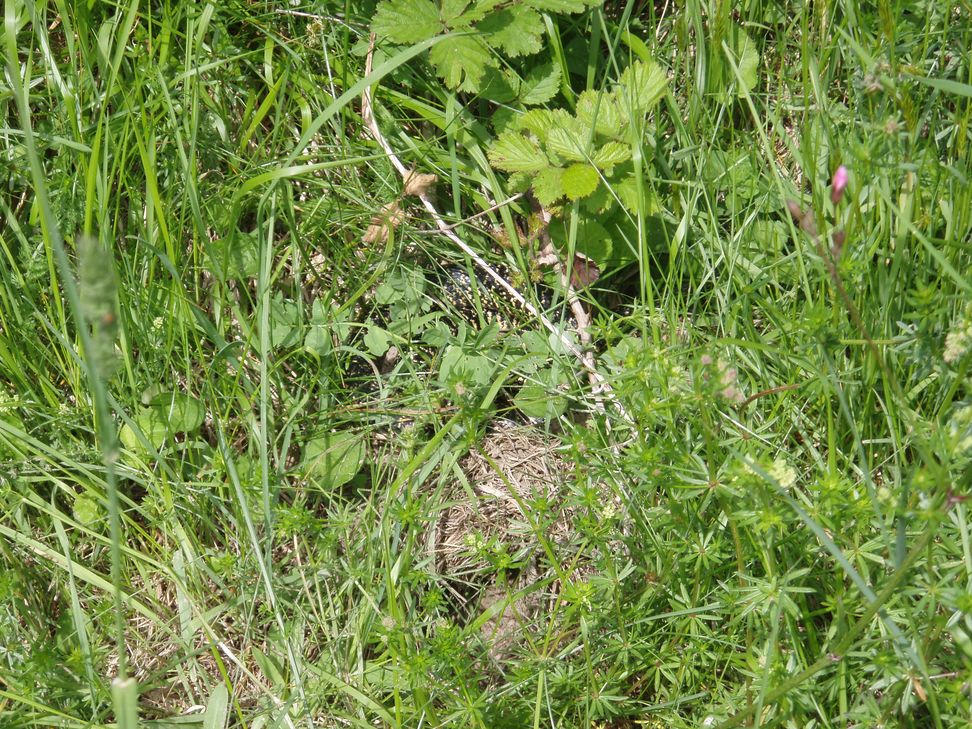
(600, 111)
(579, 181)
(519, 181)
(461, 62)
(406, 21)
(641, 86)
(500, 87)
(333, 459)
(746, 58)
(513, 152)
(516, 30)
(452, 11)
(547, 186)
(610, 154)
(540, 85)
(560, 6)
(504, 119)
(598, 202)
(480, 10)
(540, 121)
(568, 142)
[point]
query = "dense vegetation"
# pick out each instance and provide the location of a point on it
(268, 458)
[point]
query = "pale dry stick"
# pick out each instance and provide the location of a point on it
(602, 387)
(496, 206)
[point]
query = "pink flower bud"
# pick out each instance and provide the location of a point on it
(839, 183)
(795, 210)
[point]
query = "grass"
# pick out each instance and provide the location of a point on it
(222, 503)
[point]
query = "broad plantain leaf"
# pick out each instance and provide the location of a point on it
(333, 459)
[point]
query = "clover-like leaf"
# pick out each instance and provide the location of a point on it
(377, 340)
(168, 413)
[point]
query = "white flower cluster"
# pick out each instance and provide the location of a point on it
(958, 342)
(960, 429)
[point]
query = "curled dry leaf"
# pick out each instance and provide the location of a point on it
(584, 273)
(384, 223)
(419, 184)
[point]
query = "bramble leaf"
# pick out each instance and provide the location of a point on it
(610, 154)
(461, 62)
(479, 11)
(452, 12)
(407, 21)
(598, 110)
(500, 87)
(568, 141)
(516, 30)
(560, 6)
(547, 186)
(539, 122)
(641, 86)
(540, 85)
(579, 180)
(514, 152)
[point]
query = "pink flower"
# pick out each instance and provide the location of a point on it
(839, 183)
